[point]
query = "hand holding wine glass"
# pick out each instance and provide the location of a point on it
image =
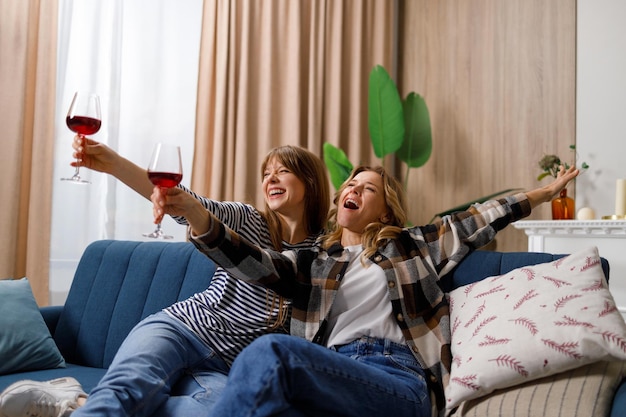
(166, 171)
(83, 117)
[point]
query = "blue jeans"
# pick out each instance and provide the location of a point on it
(161, 369)
(281, 375)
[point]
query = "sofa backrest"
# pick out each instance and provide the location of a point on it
(118, 283)
(482, 264)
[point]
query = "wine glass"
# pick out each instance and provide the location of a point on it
(166, 171)
(83, 117)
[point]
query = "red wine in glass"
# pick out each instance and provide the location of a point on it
(83, 125)
(83, 117)
(166, 171)
(165, 179)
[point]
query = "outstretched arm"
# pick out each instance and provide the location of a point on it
(99, 157)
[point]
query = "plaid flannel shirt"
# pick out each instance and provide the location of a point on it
(412, 263)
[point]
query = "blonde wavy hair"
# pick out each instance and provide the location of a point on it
(376, 234)
(309, 169)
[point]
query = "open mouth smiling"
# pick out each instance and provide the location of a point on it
(350, 204)
(275, 191)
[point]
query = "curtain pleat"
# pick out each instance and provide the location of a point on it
(27, 81)
(283, 72)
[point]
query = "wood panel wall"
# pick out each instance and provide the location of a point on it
(498, 77)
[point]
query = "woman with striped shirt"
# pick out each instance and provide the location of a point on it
(176, 361)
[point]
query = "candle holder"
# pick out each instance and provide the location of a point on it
(620, 197)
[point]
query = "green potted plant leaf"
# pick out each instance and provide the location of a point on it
(338, 164)
(417, 145)
(385, 113)
(394, 125)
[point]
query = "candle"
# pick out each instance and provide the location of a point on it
(620, 197)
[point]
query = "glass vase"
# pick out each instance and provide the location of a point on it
(563, 207)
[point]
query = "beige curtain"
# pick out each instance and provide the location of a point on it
(275, 72)
(27, 82)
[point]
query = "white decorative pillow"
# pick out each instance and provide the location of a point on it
(532, 322)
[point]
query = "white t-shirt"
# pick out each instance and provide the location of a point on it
(362, 306)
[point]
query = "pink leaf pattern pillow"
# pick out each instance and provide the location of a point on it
(532, 322)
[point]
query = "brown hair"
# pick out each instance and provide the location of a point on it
(376, 234)
(309, 169)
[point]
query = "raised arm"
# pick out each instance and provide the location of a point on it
(99, 157)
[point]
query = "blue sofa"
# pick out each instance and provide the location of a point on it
(118, 283)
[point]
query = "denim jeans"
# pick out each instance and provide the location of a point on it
(281, 375)
(161, 369)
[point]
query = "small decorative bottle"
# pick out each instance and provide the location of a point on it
(563, 207)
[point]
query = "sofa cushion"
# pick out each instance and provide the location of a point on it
(25, 342)
(586, 391)
(117, 284)
(532, 322)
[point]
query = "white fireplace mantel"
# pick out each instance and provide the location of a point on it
(536, 230)
(568, 236)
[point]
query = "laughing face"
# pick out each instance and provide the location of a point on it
(283, 190)
(362, 202)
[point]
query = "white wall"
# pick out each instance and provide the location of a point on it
(601, 102)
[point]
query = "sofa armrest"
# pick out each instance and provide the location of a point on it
(51, 316)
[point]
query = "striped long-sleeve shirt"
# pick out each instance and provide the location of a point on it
(231, 313)
(412, 264)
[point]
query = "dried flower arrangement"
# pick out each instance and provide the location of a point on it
(550, 165)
